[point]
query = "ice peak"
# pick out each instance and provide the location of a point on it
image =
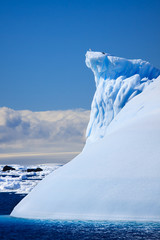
(118, 80)
(107, 66)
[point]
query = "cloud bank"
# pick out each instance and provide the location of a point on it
(50, 132)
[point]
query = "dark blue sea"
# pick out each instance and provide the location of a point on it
(16, 228)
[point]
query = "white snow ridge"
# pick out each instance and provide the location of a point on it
(117, 174)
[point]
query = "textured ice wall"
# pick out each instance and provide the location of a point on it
(118, 80)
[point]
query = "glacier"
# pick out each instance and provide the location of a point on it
(116, 176)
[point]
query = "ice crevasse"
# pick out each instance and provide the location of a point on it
(117, 175)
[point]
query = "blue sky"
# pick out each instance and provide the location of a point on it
(43, 46)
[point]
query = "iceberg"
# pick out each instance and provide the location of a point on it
(116, 176)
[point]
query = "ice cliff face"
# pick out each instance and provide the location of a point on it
(117, 80)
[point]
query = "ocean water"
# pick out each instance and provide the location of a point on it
(17, 228)
(8, 201)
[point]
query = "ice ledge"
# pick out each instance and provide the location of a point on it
(107, 66)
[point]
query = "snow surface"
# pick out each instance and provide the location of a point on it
(21, 181)
(117, 174)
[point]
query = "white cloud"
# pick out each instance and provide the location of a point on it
(42, 132)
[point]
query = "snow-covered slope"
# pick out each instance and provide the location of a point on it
(117, 174)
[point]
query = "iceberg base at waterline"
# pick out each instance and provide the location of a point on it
(117, 175)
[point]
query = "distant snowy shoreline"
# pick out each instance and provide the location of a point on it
(30, 158)
(20, 181)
